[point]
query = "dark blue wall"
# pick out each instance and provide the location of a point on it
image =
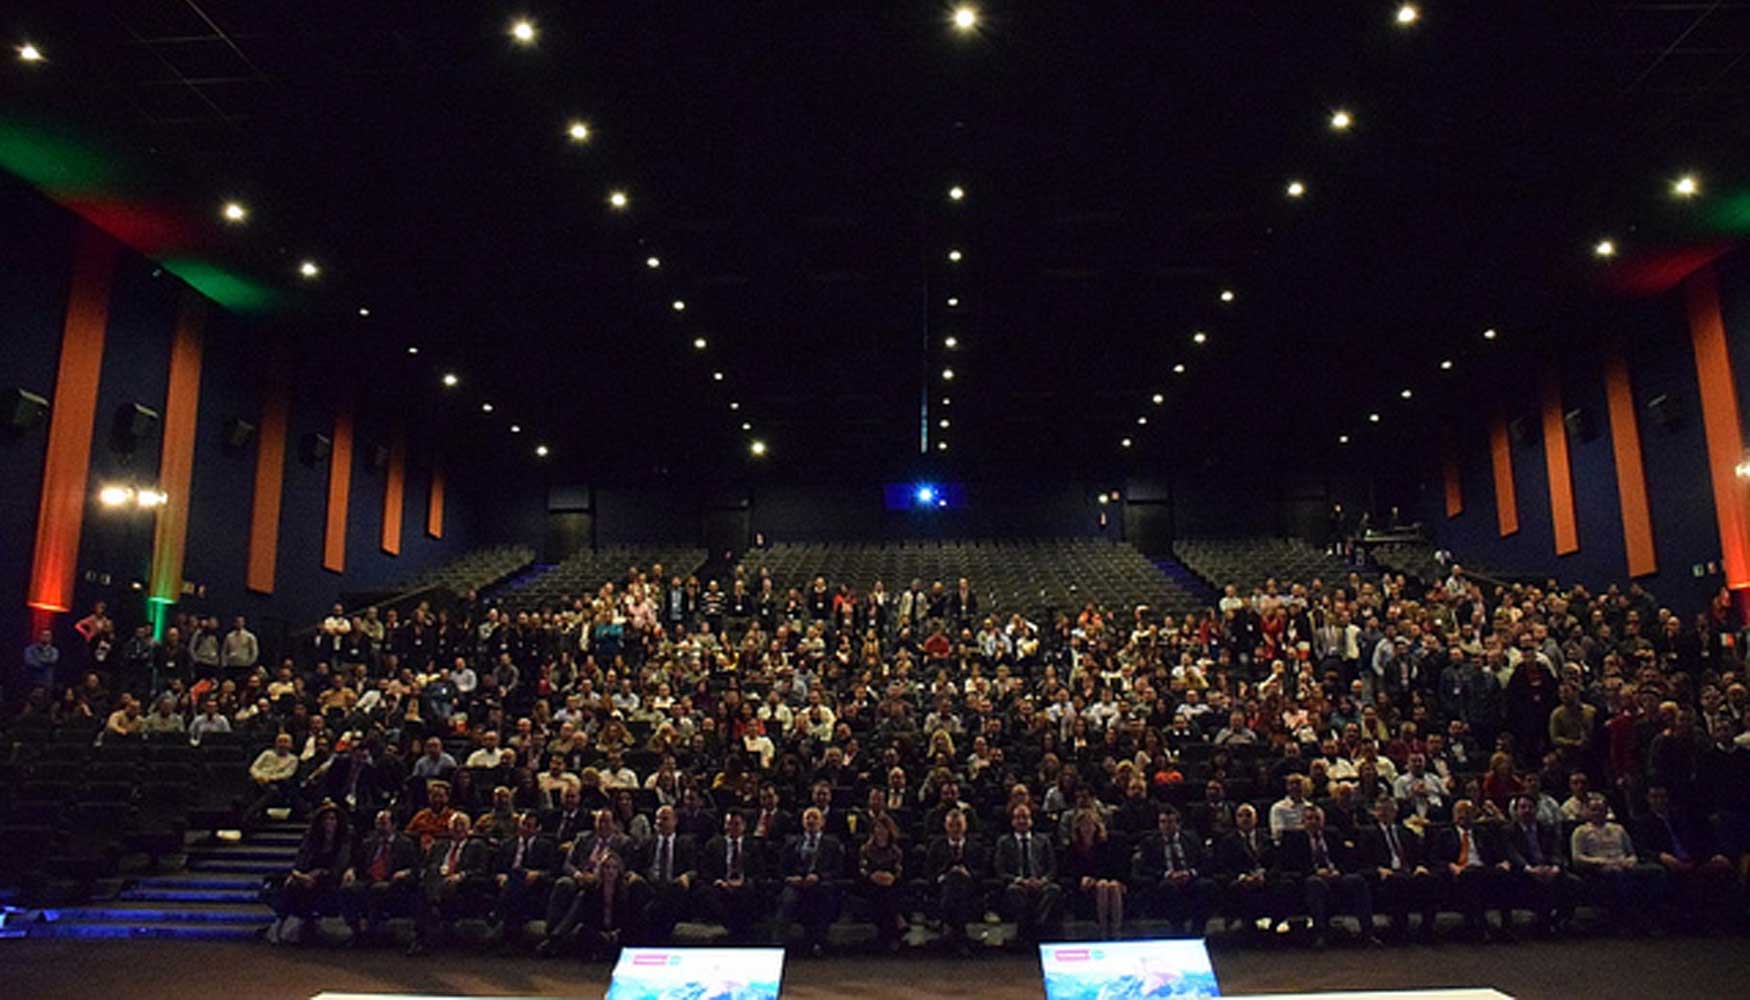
(35, 271)
(1680, 496)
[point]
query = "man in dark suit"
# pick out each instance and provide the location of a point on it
(1473, 865)
(668, 861)
(814, 877)
(352, 783)
(1212, 819)
(772, 823)
(1168, 866)
(570, 821)
(1323, 866)
(1026, 865)
(457, 871)
(1539, 882)
(1699, 875)
(525, 869)
(955, 866)
(832, 820)
(383, 876)
(729, 877)
(1245, 859)
(1392, 858)
(575, 887)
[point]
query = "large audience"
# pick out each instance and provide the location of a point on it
(769, 758)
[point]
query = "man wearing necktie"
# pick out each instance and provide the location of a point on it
(1026, 864)
(1539, 883)
(814, 874)
(955, 864)
(729, 874)
(1473, 867)
(1245, 858)
(667, 861)
(454, 868)
(1315, 857)
(1390, 854)
(1168, 864)
(1700, 876)
(381, 879)
(525, 866)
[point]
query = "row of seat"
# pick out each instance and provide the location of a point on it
(583, 572)
(473, 570)
(1250, 562)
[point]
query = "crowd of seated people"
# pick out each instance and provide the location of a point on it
(766, 758)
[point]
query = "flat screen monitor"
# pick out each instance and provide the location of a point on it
(1127, 970)
(697, 974)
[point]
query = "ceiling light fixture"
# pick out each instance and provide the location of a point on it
(943, 423)
(1199, 338)
(234, 211)
(1296, 189)
(364, 310)
(653, 262)
(310, 269)
(947, 374)
(746, 425)
(957, 193)
(1490, 334)
(1373, 418)
(1686, 186)
(953, 302)
(955, 256)
(680, 305)
(1159, 399)
(965, 18)
(1407, 393)
(516, 428)
(716, 376)
(947, 401)
(522, 31)
(115, 496)
(450, 380)
(699, 343)
(941, 446)
(1446, 365)
(1124, 443)
(950, 342)
(618, 199)
(541, 451)
(733, 406)
(1342, 439)
(29, 53)
(1142, 421)
(1407, 15)
(578, 131)
(1178, 369)
(412, 350)
(1604, 248)
(1227, 295)
(1341, 120)
(758, 448)
(485, 407)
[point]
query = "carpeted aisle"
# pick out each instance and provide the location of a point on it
(168, 970)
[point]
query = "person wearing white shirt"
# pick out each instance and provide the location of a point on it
(615, 773)
(241, 649)
(488, 755)
(1417, 771)
(1289, 812)
(463, 677)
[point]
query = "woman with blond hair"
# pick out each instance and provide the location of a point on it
(1093, 871)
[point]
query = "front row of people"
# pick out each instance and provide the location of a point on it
(602, 888)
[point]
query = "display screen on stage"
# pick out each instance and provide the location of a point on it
(697, 974)
(1127, 970)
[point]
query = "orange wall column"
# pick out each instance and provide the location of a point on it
(176, 465)
(434, 508)
(270, 471)
(1719, 415)
(394, 492)
(67, 462)
(1631, 476)
(339, 491)
(1506, 497)
(1561, 475)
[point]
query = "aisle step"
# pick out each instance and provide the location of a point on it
(123, 930)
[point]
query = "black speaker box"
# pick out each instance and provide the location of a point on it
(24, 410)
(1581, 426)
(313, 448)
(1522, 430)
(134, 423)
(380, 456)
(1666, 411)
(238, 433)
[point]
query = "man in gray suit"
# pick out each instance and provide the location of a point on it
(1026, 865)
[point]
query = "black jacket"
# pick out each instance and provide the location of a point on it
(1150, 858)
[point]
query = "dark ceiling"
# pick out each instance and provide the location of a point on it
(789, 163)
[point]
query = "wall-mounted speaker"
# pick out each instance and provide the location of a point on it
(1665, 411)
(1523, 431)
(23, 410)
(380, 456)
(134, 423)
(1581, 426)
(313, 448)
(238, 433)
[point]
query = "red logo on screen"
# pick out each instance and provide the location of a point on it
(1072, 955)
(656, 959)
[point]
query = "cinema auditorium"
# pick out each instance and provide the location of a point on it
(874, 499)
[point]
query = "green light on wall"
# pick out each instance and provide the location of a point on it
(1729, 213)
(158, 613)
(61, 166)
(225, 287)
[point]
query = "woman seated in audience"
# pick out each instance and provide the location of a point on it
(1092, 871)
(881, 871)
(315, 876)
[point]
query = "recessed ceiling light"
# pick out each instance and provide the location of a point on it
(679, 305)
(450, 380)
(953, 301)
(1342, 439)
(757, 447)
(29, 53)
(413, 350)
(955, 256)
(1199, 337)
(1227, 295)
(1178, 369)
(1408, 14)
(522, 31)
(653, 262)
(965, 18)
(1686, 186)
(941, 446)
(1407, 393)
(1142, 421)
(1604, 248)
(957, 193)
(234, 211)
(578, 131)
(618, 199)
(1124, 443)
(541, 451)
(364, 310)
(1296, 189)
(485, 407)
(947, 374)
(746, 425)
(734, 406)
(516, 428)
(1373, 418)
(310, 269)
(1446, 365)
(943, 423)
(1341, 120)
(950, 342)
(716, 376)
(1159, 399)
(699, 343)
(1490, 334)
(946, 401)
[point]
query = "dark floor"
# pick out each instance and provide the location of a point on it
(174, 970)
